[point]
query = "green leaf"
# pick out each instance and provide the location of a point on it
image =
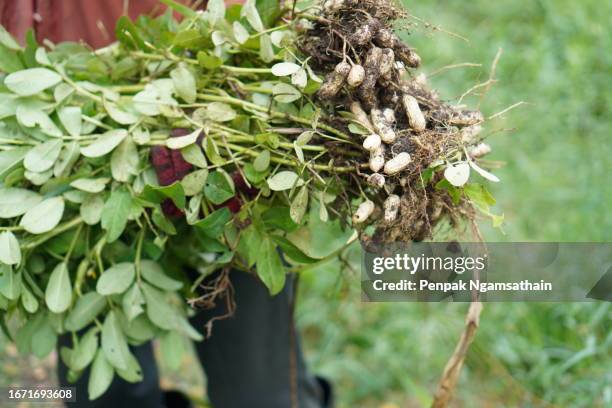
(266, 51)
(44, 216)
(212, 226)
(10, 282)
(90, 185)
(29, 302)
(292, 251)
(249, 10)
(91, 209)
(212, 151)
(31, 81)
(119, 114)
(180, 8)
(358, 129)
(269, 10)
(58, 294)
(172, 347)
(190, 39)
(262, 161)
(215, 111)
(85, 311)
(70, 116)
(7, 40)
(105, 143)
(115, 214)
(44, 339)
(209, 61)
(157, 194)
(269, 267)
(153, 273)
(285, 69)
(299, 205)
(132, 302)
(125, 160)
(10, 252)
(85, 351)
(101, 376)
(38, 179)
(250, 239)
(181, 142)
(240, 33)
(284, 180)
(23, 338)
(140, 329)
(219, 187)
(133, 372)
(165, 316)
(67, 158)
(193, 183)
(9, 60)
(457, 174)
(10, 159)
(114, 343)
(285, 93)
(279, 217)
(42, 157)
(216, 11)
(479, 195)
(30, 113)
(193, 155)
(162, 222)
(254, 176)
(116, 279)
(184, 83)
(16, 201)
(158, 309)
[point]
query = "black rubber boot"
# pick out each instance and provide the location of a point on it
(253, 359)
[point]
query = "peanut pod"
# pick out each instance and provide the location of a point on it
(398, 163)
(413, 112)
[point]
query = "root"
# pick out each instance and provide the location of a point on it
(220, 288)
(449, 378)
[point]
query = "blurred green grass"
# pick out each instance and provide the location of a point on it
(555, 187)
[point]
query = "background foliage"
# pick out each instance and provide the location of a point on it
(555, 189)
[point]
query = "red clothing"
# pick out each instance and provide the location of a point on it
(92, 21)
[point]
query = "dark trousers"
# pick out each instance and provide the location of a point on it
(247, 359)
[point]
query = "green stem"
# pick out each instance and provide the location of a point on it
(176, 58)
(139, 252)
(73, 243)
(285, 162)
(16, 228)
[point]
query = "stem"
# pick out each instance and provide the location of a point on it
(278, 160)
(176, 58)
(17, 228)
(73, 243)
(139, 252)
(275, 114)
